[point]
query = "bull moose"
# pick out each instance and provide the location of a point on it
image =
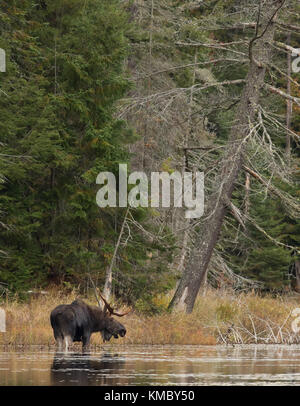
(77, 321)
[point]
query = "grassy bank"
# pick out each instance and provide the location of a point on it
(219, 317)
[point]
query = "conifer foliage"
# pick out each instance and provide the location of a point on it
(65, 72)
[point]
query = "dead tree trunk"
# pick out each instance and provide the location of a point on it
(289, 104)
(186, 222)
(107, 290)
(259, 55)
(247, 192)
(297, 276)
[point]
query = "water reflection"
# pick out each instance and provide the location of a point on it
(83, 369)
(155, 365)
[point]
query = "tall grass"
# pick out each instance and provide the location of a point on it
(218, 317)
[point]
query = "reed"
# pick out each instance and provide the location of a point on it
(219, 317)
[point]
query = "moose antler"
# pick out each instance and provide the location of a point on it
(110, 309)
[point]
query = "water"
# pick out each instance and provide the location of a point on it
(155, 365)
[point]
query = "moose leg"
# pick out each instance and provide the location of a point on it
(59, 342)
(67, 341)
(86, 341)
(58, 338)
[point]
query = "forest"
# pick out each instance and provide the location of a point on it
(161, 86)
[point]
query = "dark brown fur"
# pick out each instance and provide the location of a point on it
(77, 321)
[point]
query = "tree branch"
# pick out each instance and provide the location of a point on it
(190, 65)
(273, 89)
(288, 48)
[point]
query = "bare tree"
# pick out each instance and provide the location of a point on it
(289, 103)
(259, 52)
(107, 290)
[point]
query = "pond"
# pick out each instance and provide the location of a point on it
(154, 365)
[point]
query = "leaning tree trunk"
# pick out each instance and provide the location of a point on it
(289, 104)
(259, 55)
(107, 290)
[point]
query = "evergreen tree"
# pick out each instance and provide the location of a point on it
(65, 73)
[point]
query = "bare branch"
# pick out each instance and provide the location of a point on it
(289, 27)
(235, 211)
(220, 46)
(190, 65)
(284, 74)
(286, 47)
(287, 200)
(273, 89)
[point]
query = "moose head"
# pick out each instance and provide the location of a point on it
(111, 327)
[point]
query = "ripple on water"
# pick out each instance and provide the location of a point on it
(155, 365)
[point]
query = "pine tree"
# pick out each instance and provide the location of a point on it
(65, 73)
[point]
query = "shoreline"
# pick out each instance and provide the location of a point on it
(220, 317)
(113, 347)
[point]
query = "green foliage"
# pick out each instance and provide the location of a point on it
(264, 256)
(58, 130)
(65, 73)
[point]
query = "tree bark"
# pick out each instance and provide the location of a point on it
(297, 276)
(289, 104)
(247, 192)
(186, 222)
(146, 162)
(260, 55)
(107, 290)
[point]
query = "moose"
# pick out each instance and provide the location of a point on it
(77, 321)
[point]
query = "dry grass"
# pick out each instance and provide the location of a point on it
(219, 317)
